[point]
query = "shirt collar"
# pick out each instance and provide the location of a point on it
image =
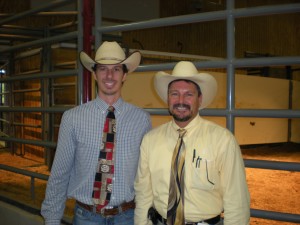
(192, 124)
(118, 105)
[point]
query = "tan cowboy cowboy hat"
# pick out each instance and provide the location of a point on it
(187, 70)
(110, 53)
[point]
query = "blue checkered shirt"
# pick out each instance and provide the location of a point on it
(74, 166)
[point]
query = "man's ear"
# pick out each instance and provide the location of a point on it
(124, 77)
(200, 100)
(94, 75)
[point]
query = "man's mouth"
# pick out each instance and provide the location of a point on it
(181, 107)
(109, 84)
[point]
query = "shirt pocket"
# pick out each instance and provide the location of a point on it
(204, 175)
(88, 144)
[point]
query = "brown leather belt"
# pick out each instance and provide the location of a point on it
(213, 220)
(108, 212)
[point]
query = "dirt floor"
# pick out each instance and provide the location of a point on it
(270, 190)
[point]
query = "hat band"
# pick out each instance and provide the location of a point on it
(110, 58)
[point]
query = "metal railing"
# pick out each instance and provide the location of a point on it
(230, 63)
(32, 175)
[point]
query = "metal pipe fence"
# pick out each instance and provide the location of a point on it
(30, 174)
(230, 63)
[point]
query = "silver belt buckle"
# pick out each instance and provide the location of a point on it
(120, 209)
(102, 211)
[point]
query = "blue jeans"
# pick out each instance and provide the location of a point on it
(85, 217)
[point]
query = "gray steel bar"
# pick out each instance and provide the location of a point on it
(53, 4)
(79, 48)
(26, 90)
(156, 67)
(264, 113)
(32, 188)
(53, 109)
(32, 176)
(237, 63)
(202, 17)
(21, 31)
(98, 21)
(62, 26)
(170, 66)
(26, 125)
(70, 63)
(62, 73)
(27, 72)
(24, 172)
(164, 22)
(40, 42)
(60, 13)
(31, 142)
(293, 218)
(230, 40)
(266, 10)
(267, 113)
(4, 120)
(3, 42)
(266, 61)
(61, 85)
(272, 165)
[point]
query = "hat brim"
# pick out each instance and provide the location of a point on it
(206, 82)
(131, 62)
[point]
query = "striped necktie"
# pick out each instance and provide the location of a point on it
(175, 215)
(105, 169)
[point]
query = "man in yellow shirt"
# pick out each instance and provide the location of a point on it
(210, 179)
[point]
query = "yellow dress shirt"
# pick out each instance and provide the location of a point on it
(215, 178)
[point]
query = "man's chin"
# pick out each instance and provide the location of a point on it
(181, 118)
(109, 92)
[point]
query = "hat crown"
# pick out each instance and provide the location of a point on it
(187, 71)
(184, 69)
(110, 51)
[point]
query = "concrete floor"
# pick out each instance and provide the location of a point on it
(11, 214)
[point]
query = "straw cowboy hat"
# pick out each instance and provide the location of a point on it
(110, 53)
(187, 70)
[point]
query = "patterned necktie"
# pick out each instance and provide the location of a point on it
(175, 215)
(105, 169)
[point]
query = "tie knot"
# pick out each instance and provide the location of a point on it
(181, 132)
(111, 108)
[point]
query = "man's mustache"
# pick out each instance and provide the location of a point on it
(182, 105)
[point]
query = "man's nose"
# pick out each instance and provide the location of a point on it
(109, 72)
(181, 99)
